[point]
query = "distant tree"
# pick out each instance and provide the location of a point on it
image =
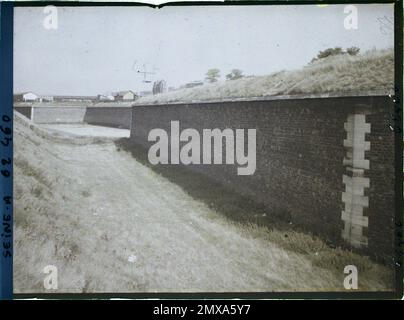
(235, 74)
(212, 75)
(353, 51)
(330, 52)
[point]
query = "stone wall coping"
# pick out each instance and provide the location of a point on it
(274, 98)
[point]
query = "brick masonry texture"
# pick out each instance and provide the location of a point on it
(119, 117)
(300, 154)
(26, 111)
(58, 114)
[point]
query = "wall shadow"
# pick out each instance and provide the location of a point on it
(238, 208)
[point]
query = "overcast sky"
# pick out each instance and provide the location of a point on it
(99, 50)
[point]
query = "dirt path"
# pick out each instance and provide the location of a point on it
(110, 224)
(88, 130)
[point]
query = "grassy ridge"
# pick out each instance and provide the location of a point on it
(371, 71)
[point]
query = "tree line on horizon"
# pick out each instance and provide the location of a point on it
(213, 74)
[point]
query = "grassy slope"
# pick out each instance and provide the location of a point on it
(371, 71)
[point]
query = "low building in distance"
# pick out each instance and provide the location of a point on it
(192, 84)
(106, 97)
(26, 97)
(46, 99)
(125, 96)
(145, 93)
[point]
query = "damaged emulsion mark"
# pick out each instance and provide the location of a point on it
(6, 163)
(355, 180)
(395, 123)
(395, 126)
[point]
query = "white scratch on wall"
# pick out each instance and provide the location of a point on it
(355, 181)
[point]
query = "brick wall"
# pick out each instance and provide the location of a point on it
(300, 161)
(26, 111)
(119, 117)
(58, 114)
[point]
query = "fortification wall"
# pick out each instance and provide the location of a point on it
(323, 164)
(119, 117)
(58, 114)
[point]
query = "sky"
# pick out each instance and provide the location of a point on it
(98, 50)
